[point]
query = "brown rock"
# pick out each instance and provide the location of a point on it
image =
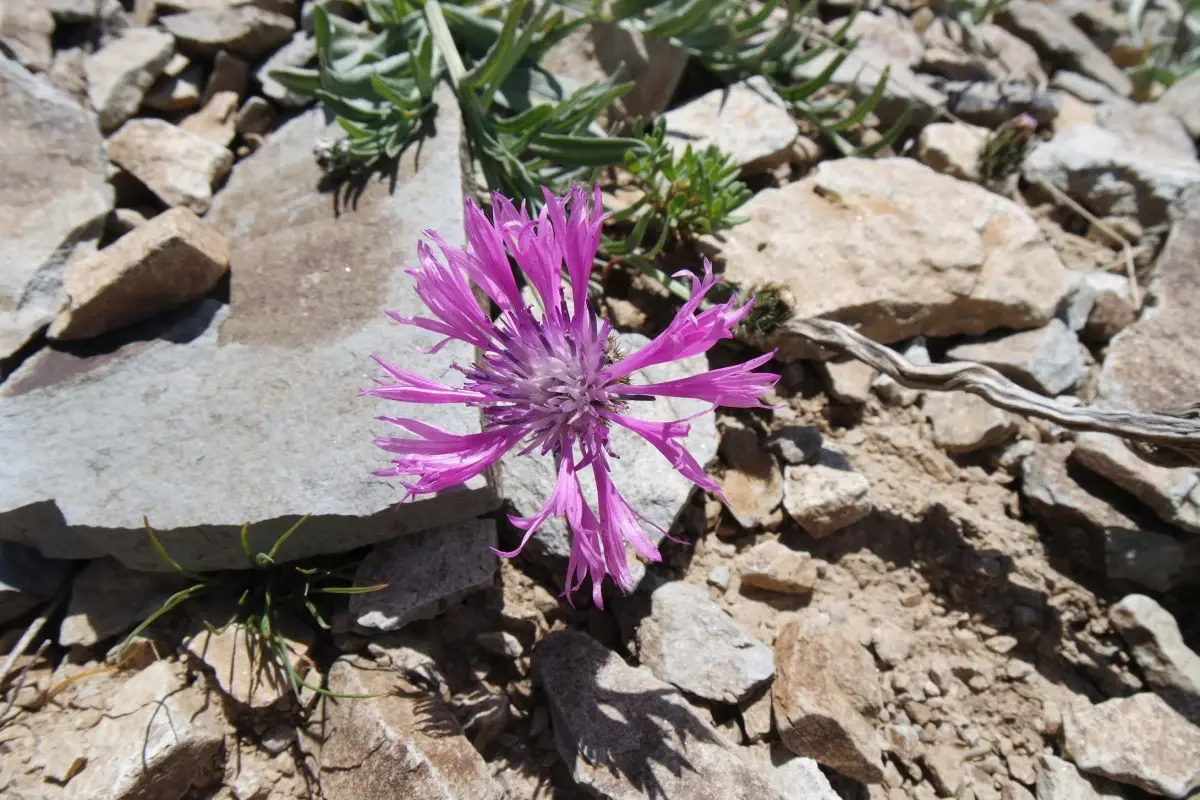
(216, 121)
(1170, 493)
(162, 264)
(1138, 740)
(825, 693)
(157, 738)
(824, 499)
(963, 422)
(178, 166)
(899, 251)
(849, 381)
(775, 567)
(25, 29)
(753, 484)
(244, 668)
(1154, 364)
(400, 742)
(229, 74)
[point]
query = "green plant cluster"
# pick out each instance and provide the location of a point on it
(266, 594)
(1166, 59)
(527, 128)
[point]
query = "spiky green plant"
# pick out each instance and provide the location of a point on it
(1167, 59)
(684, 194)
(266, 593)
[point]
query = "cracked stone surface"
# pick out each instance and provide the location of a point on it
(220, 397)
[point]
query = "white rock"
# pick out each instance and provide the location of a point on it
(120, 73)
(823, 499)
(1139, 740)
(691, 642)
(747, 120)
(897, 250)
(1153, 635)
(1049, 359)
(426, 573)
(952, 148)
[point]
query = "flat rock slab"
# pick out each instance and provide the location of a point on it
(1171, 493)
(399, 742)
(643, 476)
(1154, 364)
(826, 695)
(54, 197)
(425, 574)
(626, 735)
(1139, 740)
(249, 412)
(690, 641)
(1047, 360)
(157, 738)
(898, 250)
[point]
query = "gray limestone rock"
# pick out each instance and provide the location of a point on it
(691, 642)
(1059, 42)
(620, 730)
(53, 200)
(243, 30)
(425, 573)
(1048, 360)
(108, 599)
(1113, 175)
(1158, 646)
(120, 73)
(251, 407)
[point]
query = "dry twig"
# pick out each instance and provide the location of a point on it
(1169, 434)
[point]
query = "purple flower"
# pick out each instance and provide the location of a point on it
(549, 379)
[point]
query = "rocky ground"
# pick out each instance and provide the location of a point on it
(910, 594)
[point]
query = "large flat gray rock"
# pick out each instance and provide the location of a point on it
(53, 197)
(249, 412)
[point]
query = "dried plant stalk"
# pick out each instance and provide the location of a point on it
(1163, 437)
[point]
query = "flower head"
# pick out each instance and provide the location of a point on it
(548, 378)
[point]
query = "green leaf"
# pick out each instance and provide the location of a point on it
(583, 150)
